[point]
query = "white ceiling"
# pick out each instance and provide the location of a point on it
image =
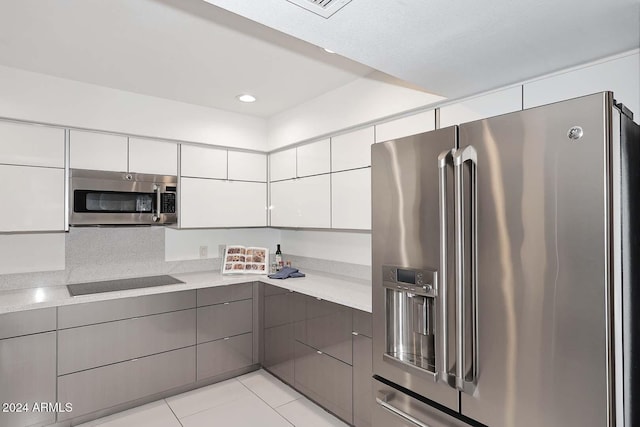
(461, 47)
(184, 50)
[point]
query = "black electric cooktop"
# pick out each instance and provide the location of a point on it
(120, 285)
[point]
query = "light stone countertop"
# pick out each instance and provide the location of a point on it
(354, 293)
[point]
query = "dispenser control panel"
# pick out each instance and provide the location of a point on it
(418, 281)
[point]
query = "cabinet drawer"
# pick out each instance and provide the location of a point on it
(97, 345)
(328, 328)
(220, 294)
(278, 309)
(28, 374)
(224, 320)
(362, 323)
(105, 311)
(225, 355)
(325, 380)
(111, 385)
(279, 353)
(27, 322)
(274, 290)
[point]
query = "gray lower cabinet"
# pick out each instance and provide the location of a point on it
(225, 330)
(224, 320)
(28, 375)
(222, 294)
(279, 351)
(278, 332)
(225, 355)
(27, 322)
(362, 380)
(105, 343)
(327, 327)
(124, 308)
(107, 386)
(324, 379)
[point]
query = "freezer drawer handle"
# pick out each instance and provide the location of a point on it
(382, 400)
(445, 160)
(466, 379)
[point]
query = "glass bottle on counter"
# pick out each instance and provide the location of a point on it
(279, 258)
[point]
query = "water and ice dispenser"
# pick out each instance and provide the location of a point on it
(411, 317)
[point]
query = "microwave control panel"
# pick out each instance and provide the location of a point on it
(168, 203)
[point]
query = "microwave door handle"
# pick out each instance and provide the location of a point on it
(157, 190)
(466, 379)
(445, 160)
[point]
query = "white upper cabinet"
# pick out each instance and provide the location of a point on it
(620, 75)
(351, 199)
(247, 166)
(406, 126)
(314, 158)
(481, 107)
(31, 145)
(210, 203)
(282, 165)
(303, 202)
(153, 157)
(35, 199)
(203, 162)
(99, 151)
(352, 150)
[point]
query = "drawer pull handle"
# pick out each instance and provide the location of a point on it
(355, 333)
(319, 299)
(225, 338)
(400, 413)
(226, 303)
(319, 352)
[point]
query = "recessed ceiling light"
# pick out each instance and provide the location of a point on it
(245, 97)
(328, 50)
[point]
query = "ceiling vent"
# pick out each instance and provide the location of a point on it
(324, 8)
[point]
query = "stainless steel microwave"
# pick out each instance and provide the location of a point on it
(120, 198)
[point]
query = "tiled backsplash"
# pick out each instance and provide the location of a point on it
(96, 253)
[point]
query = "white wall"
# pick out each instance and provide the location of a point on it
(183, 245)
(353, 248)
(360, 101)
(39, 97)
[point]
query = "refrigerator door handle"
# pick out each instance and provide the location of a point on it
(383, 398)
(445, 160)
(466, 378)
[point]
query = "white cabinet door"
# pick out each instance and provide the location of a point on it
(31, 145)
(153, 157)
(351, 199)
(481, 107)
(247, 166)
(99, 151)
(35, 199)
(283, 205)
(620, 75)
(314, 158)
(203, 162)
(303, 202)
(406, 126)
(209, 203)
(313, 198)
(352, 150)
(282, 165)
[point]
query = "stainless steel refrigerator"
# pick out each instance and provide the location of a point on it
(504, 280)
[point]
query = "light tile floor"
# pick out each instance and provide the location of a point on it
(254, 399)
